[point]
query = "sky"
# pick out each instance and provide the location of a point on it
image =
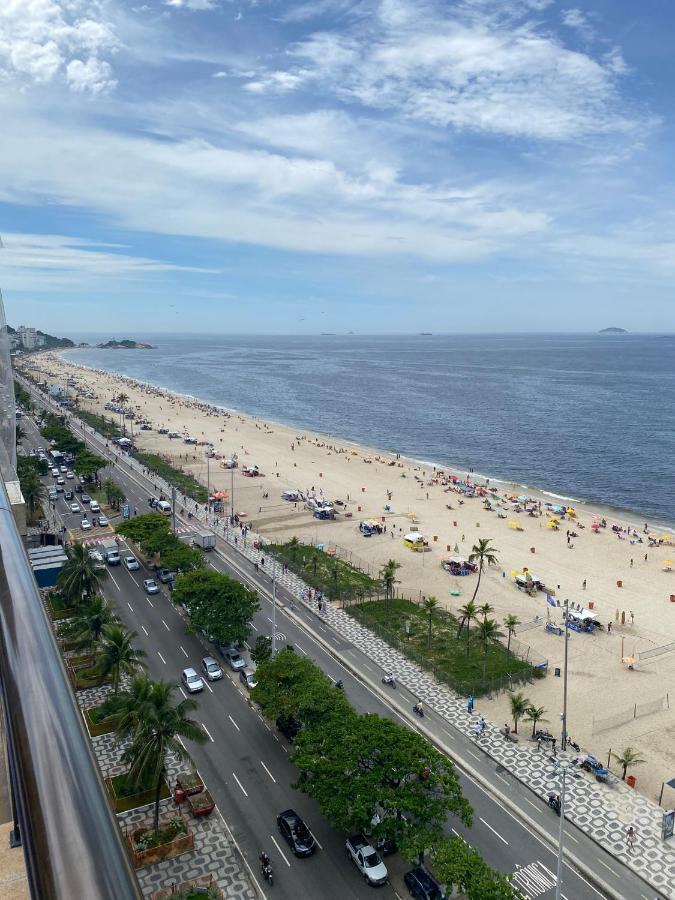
(379, 166)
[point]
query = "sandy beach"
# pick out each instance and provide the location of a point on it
(629, 582)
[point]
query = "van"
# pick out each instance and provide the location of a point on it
(164, 507)
(94, 507)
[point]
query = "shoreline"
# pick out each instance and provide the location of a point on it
(631, 517)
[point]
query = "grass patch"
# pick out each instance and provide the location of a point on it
(125, 797)
(102, 424)
(405, 626)
(58, 607)
(333, 577)
(98, 724)
(184, 482)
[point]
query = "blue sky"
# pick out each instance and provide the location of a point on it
(394, 165)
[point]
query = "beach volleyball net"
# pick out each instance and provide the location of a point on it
(636, 711)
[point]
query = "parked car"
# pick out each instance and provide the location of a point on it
(85, 498)
(131, 563)
(192, 681)
(422, 886)
(211, 668)
(297, 835)
(150, 586)
(248, 678)
(165, 576)
(85, 525)
(366, 860)
(233, 658)
(103, 521)
(74, 508)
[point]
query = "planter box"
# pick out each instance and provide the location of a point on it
(98, 727)
(124, 802)
(181, 843)
(204, 887)
(190, 783)
(201, 804)
(60, 612)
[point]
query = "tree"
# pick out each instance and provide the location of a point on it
(388, 576)
(519, 705)
(32, 489)
(511, 622)
(113, 494)
(80, 577)
(460, 867)
(151, 531)
(129, 707)
(88, 464)
(485, 610)
(482, 553)
(429, 604)
(219, 606)
(488, 633)
(535, 714)
(261, 651)
(365, 768)
(159, 733)
(467, 614)
(117, 656)
(627, 759)
(178, 557)
(19, 434)
(85, 629)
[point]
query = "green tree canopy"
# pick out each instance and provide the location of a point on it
(261, 651)
(113, 493)
(151, 532)
(178, 557)
(117, 656)
(218, 605)
(88, 464)
(80, 577)
(458, 866)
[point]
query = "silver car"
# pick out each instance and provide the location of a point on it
(192, 681)
(248, 678)
(234, 659)
(131, 563)
(211, 669)
(151, 587)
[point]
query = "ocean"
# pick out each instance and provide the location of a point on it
(586, 417)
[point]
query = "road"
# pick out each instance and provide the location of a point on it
(247, 768)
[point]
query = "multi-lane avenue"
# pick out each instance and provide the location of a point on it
(247, 766)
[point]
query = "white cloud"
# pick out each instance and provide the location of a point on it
(578, 21)
(193, 4)
(41, 39)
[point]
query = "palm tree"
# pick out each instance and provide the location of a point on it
(19, 434)
(485, 610)
(535, 714)
(129, 707)
(511, 622)
(467, 614)
(482, 553)
(429, 604)
(117, 655)
(627, 759)
(80, 577)
(159, 733)
(519, 706)
(85, 629)
(388, 576)
(33, 491)
(488, 633)
(122, 399)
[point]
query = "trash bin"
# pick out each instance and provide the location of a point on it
(630, 781)
(556, 672)
(591, 604)
(619, 584)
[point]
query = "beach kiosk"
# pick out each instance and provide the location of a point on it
(415, 541)
(582, 620)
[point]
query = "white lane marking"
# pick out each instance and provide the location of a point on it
(283, 856)
(183, 692)
(269, 620)
(130, 606)
(252, 626)
(208, 733)
(133, 579)
(317, 841)
(233, 722)
(487, 825)
(165, 625)
(449, 733)
(571, 837)
(298, 647)
(501, 778)
(212, 566)
(206, 682)
(240, 785)
(606, 866)
(145, 630)
(475, 755)
(268, 771)
(183, 649)
(161, 657)
(150, 602)
(113, 581)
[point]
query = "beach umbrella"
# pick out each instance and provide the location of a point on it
(667, 537)
(667, 565)
(552, 524)
(629, 660)
(514, 525)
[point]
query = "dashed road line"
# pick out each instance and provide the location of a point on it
(208, 734)
(145, 630)
(130, 606)
(161, 657)
(268, 771)
(243, 790)
(184, 650)
(487, 825)
(165, 625)
(234, 723)
(283, 855)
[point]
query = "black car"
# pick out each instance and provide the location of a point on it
(78, 488)
(68, 495)
(297, 835)
(421, 885)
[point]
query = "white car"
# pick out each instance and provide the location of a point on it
(98, 559)
(55, 472)
(131, 563)
(94, 506)
(70, 475)
(85, 524)
(64, 469)
(74, 508)
(103, 521)
(60, 480)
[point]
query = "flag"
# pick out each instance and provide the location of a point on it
(550, 600)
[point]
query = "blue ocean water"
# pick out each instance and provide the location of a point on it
(590, 417)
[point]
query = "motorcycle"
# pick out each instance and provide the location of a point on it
(417, 709)
(389, 679)
(554, 803)
(574, 745)
(266, 868)
(339, 685)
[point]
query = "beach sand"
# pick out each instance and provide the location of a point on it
(600, 685)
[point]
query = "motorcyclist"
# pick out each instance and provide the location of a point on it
(264, 859)
(418, 708)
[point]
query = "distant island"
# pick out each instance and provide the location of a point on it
(613, 331)
(126, 344)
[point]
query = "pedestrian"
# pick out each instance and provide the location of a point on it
(583, 585)
(632, 617)
(630, 837)
(609, 628)
(631, 563)
(645, 557)
(507, 730)
(469, 704)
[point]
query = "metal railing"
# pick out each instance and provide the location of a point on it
(72, 843)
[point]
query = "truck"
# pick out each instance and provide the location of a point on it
(366, 860)
(204, 539)
(111, 553)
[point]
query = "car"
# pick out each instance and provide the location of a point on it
(233, 658)
(103, 521)
(52, 494)
(113, 558)
(74, 508)
(94, 506)
(59, 487)
(248, 678)
(70, 475)
(131, 563)
(55, 472)
(85, 498)
(60, 480)
(211, 668)
(422, 886)
(85, 524)
(296, 834)
(63, 469)
(98, 559)
(192, 681)
(165, 576)
(150, 586)
(79, 489)
(68, 495)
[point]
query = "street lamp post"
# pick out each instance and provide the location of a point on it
(563, 737)
(274, 609)
(563, 746)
